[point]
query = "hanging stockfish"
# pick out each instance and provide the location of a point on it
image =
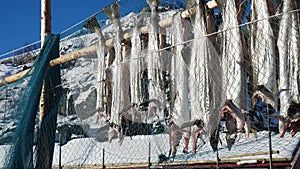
(199, 78)
(234, 78)
(136, 63)
(180, 72)
(120, 79)
(295, 58)
(263, 48)
(234, 75)
(288, 47)
(198, 69)
(165, 59)
(179, 81)
(215, 86)
(153, 59)
(205, 74)
(93, 25)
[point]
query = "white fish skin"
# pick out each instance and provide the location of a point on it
(234, 77)
(198, 71)
(93, 25)
(101, 48)
(179, 75)
(181, 111)
(288, 47)
(263, 47)
(198, 75)
(205, 74)
(295, 58)
(153, 57)
(116, 84)
(120, 79)
(136, 64)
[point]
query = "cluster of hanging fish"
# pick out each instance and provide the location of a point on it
(211, 73)
(223, 76)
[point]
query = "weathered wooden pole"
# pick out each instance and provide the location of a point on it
(45, 30)
(52, 93)
(48, 114)
(46, 27)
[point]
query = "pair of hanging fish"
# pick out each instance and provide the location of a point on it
(291, 121)
(237, 120)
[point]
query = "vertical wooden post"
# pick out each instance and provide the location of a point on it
(53, 89)
(270, 138)
(103, 158)
(46, 27)
(44, 141)
(45, 30)
(149, 155)
(59, 157)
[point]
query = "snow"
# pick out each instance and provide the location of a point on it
(86, 151)
(7, 70)
(90, 151)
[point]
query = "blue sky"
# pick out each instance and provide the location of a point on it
(20, 19)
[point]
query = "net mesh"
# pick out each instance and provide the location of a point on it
(156, 82)
(26, 108)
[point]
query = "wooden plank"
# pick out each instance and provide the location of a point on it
(74, 55)
(296, 161)
(173, 163)
(250, 154)
(13, 78)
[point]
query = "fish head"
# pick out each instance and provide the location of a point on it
(283, 126)
(295, 127)
(111, 134)
(294, 110)
(214, 140)
(254, 100)
(228, 102)
(230, 139)
(225, 112)
(199, 123)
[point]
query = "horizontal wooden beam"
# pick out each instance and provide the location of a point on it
(74, 55)
(13, 78)
(251, 154)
